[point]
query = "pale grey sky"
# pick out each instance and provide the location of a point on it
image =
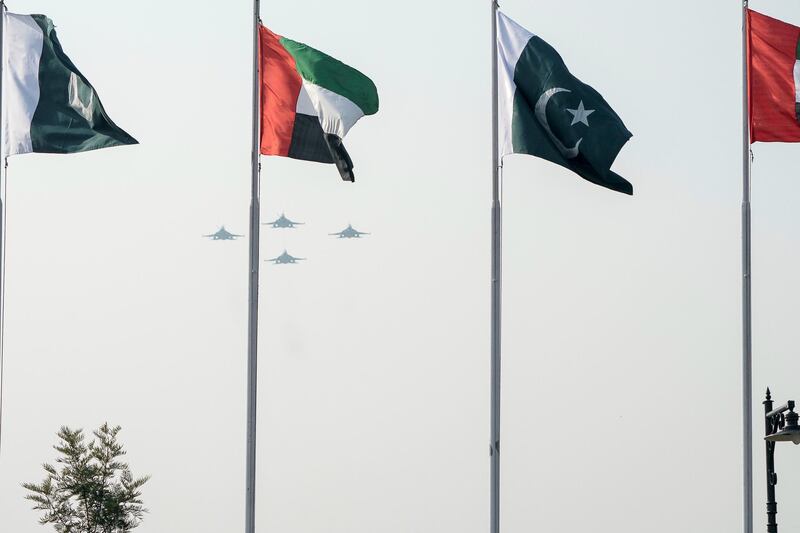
(621, 399)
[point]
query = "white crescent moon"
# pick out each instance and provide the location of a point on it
(75, 102)
(541, 115)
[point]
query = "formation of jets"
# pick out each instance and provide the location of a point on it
(284, 223)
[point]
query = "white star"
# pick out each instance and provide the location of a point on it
(581, 114)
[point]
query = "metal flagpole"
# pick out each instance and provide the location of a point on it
(2, 222)
(747, 339)
(497, 227)
(252, 318)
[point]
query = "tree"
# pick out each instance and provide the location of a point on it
(90, 490)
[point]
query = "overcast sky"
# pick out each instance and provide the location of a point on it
(621, 369)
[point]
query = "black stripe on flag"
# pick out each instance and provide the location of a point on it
(308, 140)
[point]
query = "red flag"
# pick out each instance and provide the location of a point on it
(774, 76)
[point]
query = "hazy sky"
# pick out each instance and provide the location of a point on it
(621, 369)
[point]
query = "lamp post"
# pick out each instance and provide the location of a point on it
(780, 425)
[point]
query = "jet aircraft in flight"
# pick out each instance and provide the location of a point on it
(223, 235)
(285, 259)
(349, 233)
(283, 222)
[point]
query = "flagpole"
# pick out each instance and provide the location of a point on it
(497, 220)
(747, 339)
(2, 222)
(252, 318)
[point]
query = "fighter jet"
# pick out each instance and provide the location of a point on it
(286, 259)
(349, 233)
(283, 222)
(223, 235)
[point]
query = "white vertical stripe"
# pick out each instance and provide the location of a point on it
(797, 81)
(511, 41)
(23, 40)
(304, 104)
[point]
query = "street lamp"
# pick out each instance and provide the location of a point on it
(779, 427)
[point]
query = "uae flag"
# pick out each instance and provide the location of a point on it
(545, 111)
(309, 101)
(773, 58)
(48, 105)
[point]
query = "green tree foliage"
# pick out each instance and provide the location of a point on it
(90, 490)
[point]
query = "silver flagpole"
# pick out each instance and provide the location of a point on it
(2, 221)
(747, 339)
(252, 318)
(497, 262)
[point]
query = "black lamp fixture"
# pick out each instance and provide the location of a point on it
(780, 426)
(790, 430)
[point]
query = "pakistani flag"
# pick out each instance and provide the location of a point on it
(48, 105)
(309, 101)
(547, 112)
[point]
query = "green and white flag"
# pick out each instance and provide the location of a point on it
(545, 111)
(48, 105)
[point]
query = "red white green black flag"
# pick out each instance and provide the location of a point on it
(309, 101)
